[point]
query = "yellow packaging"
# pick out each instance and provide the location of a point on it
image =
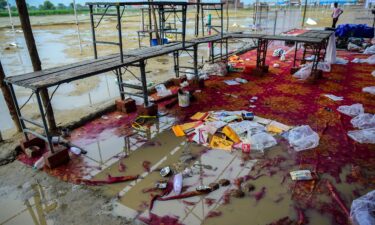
(178, 131)
(231, 134)
(274, 129)
(221, 143)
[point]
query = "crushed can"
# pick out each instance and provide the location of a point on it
(248, 116)
(161, 184)
(165, 171)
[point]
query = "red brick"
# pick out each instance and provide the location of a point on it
(58, 158)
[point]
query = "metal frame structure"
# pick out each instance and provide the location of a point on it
(119, 63)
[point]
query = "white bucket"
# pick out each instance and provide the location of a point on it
(183, 99)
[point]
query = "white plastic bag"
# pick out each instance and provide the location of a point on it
(362, 209)
(324, 66)
(363, 121)
(261, 141)
(363, 136)
(370, 50)
(304, 72)
(177, 183)
(370, 90)
(341, 61)
(351, 110)
(162, 90)
(302, 138)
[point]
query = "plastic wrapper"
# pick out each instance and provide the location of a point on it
(370, 50)
(162, 90)
(363, 121)
(303, 73)
(370, 90)
(261, 141)
(302, 138)
(351, 110)
(218, 69)
(341, 61)
(353, 47)
(363, 136)
(177, 183)
(362, 209)
(324, 66)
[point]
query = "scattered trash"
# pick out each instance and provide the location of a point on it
(362, 209)
(363, 136)
(278, 52)
(370, 50)
(248, 116)
(218, 69)
(220, 143)
(370, 90)
(276, 65)
(364, 121)
(311, 22)
(302, 138)
(231, 82)
(304, 72)
(241, 80)
(177, 183)
(324, 66)
(353, 47)
(75, 150)
(203, 188)
(261, 141)
(165, 171)
(39, 164)
(276, 127)
(341, 61)
(161, 184)
(301, 175)
(183, 98)
(252, 106)
(334, 97)
(162, 91)
(373, 73)
(351, 110)
(369, 60)
(283, 57)
(184, 84)
(105, 117)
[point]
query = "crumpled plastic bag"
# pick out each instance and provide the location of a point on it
(370, 90)
(246, 126)
(363, 121)
(218, 69)
(261, 141)
(369, 60)
(370, 50)
(162, 91)
(353, 47)
(324, 66)
(302, 138)
(362, 209)
(341, 61)
(351, 110)
(304, 72)
(363, 136)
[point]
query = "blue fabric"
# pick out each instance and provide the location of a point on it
(354, 30)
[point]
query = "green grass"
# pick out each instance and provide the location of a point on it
(4, 13)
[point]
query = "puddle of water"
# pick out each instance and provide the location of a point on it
(30, 207)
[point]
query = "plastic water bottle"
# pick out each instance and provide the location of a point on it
(75, 150)
(39, 164)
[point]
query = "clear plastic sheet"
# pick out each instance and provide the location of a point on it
(351, 110)
(362, 210)
(302, 138)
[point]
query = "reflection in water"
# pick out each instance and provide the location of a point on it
(34, 209)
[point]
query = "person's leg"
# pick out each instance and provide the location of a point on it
(334, 21)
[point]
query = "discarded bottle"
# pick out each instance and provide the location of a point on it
(39, 164)
(75, 150)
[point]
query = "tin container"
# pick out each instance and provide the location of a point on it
(165, 171)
